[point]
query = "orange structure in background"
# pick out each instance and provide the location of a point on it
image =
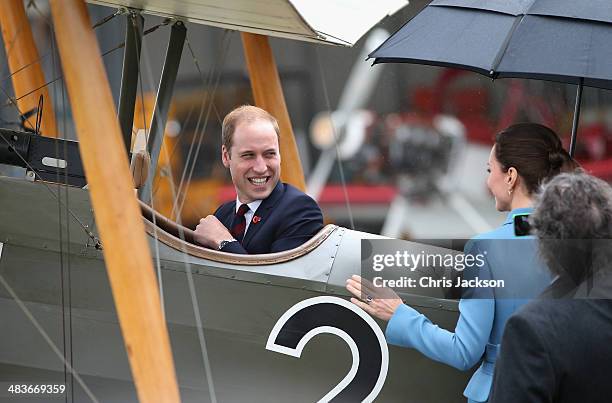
(201, 196)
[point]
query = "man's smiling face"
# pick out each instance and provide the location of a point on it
(253, 160)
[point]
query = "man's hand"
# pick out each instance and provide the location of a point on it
(377, 301)
(210, 232)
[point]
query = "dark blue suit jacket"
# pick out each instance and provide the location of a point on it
(287, 219)
(557, 348)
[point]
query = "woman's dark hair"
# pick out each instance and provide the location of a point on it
(535, 151)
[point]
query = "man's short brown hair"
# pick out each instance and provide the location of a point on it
(244, 113)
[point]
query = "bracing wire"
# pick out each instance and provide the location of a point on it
(32, 4)
(91, 236)
(25, 66)
(184, 184)
(66, 357)
(45, 336)
(14, 100)
(335, 134)
(66, 298)
(157, 259)
(65, 256)
(65, 283)
(69, 213)
(194, 301)
(55, 196)
(107, 18)
(11, 100)
(66, 195)
(14, 104)
(197, 137)
(188, 270)
(145, 33)
(175, 146)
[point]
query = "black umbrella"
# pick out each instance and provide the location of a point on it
(567, 41)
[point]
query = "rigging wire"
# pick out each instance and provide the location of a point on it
(66, 195)
(145, 33)
(184, 184)
(121, 45)
(335, 134)
(14, 103)
(66, 298)
(98, 24)
(187, 161)
(14, 100)
(64, 281)
(66, 357)
(25, 66)
(175, 146)
(65, 272)
(188, 269)
(108, 18)
(32, 4)
(45, 336)
(156, 258)
(96, 242)
(91, 236)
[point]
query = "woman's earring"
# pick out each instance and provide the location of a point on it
(509, 192)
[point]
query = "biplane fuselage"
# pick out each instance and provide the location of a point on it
(239, 305)
(64, 318)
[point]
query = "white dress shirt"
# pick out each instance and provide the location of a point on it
(248, 216)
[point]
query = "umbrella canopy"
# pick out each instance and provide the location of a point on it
(556, 40)
(336, 22)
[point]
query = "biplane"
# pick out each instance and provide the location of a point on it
(84, 303)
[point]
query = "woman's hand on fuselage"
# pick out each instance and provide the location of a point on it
(379, 302)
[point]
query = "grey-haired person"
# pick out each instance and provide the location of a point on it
(558, 348)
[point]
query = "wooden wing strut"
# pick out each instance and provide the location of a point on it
(126, 252)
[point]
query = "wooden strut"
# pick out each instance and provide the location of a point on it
(21, 51)
(126, 252)
(268, 94)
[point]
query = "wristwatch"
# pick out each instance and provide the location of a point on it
(222, 244)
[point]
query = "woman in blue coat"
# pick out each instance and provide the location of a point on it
(523, 156)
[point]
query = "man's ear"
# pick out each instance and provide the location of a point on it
(225, 156)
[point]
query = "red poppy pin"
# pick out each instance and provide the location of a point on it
(256, 219)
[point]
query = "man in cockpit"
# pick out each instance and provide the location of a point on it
(267, 215)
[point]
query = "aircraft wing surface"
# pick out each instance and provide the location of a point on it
(336, 22)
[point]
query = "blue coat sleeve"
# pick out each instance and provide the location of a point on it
(462, 348)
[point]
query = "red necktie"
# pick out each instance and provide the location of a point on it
(239, 223)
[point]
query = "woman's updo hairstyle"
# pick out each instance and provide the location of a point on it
(535, 151)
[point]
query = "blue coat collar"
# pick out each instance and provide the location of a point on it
(522, 210)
